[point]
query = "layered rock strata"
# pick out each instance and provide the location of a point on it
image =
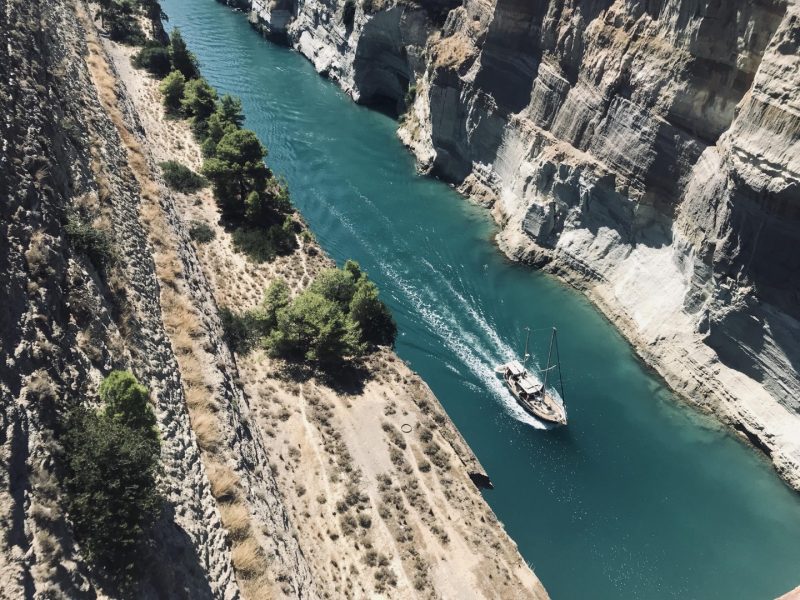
(82, 138)
(647, 152)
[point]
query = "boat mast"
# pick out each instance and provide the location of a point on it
(526, 355)
(549, 355)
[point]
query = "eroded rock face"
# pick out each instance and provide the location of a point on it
(645, 150)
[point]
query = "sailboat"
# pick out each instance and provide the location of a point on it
(531, 395)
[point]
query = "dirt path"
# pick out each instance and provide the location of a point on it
(374, 513)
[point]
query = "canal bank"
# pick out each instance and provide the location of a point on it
(643, 498)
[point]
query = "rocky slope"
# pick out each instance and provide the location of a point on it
(647, 152)
(376, 480)
(82, 134)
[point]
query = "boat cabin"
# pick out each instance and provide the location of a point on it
(529, 392)
(525, 386)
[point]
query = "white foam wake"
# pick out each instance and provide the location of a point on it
(446, 317)
(480, 361)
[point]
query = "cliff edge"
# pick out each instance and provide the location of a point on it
(646, 152)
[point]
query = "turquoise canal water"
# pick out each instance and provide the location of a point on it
(638, 497)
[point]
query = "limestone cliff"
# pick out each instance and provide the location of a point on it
(71, 145)
(646, 151)
(278, 482)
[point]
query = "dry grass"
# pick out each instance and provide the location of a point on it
(36, 254)
(224, 483)
(206, 430)
(178, 316)
(193, 376)
(182, 342)
(236, 520)
(248, 558)
(451, 52)
(169, 269)
(41, 387)
(259, 588)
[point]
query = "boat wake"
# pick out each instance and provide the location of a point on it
(481, 360)
(454, 317)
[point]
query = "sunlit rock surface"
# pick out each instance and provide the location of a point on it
(646, 151)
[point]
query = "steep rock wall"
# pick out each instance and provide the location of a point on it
(645, 151)
(72, 142)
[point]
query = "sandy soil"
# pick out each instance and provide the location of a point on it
(375, 477)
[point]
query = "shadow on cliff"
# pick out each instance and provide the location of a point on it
(175, 569)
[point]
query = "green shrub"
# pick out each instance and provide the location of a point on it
(373, 317)
(263, 245)
(199, 102)
(180, 177)
(237, 169)
(337, 317)
(111, 473)
(230, 109)
(315, 329)
(276, 297)
(337, 285)
(357, 296)
(127, 401)
(121, 24)
(88, 240)
(216, 127)
(200, 232)
(182, 60)
(154, 58)
(241, 330)
(172, 90)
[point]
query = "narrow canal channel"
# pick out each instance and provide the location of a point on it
(638, 497)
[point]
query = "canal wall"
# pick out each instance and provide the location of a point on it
(265, 475)
(645, 152)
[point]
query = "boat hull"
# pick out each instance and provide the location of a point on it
(556, 419)
(542, 405)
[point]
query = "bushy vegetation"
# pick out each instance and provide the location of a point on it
(198, 103)
(112, 467)
(236, 169)
(314, 328)
(183, 61)
(119, 21)
(241, 330)
(338, 317)
(88, 240)
(154, 58)
(200, 232)
(263, 245)
(254, 203)
(180, 177)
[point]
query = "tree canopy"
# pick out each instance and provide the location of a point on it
(127, 401)
(230, 110)
(315, 329)
(182, 60)
(336, 285)
(373, 317)
(172, 90)
(112, 467)
(237, 169)
(199, 100)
